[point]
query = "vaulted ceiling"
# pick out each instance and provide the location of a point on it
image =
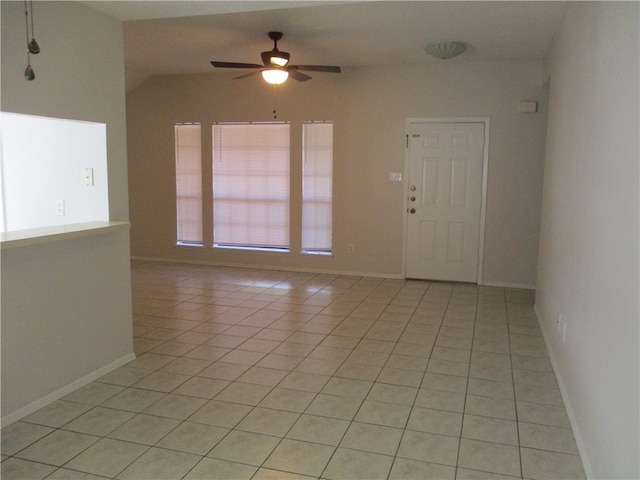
(181, 37)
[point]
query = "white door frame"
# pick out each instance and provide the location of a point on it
(485, 171)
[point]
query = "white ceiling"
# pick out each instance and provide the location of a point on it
(181, 37)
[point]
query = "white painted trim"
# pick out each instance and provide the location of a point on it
(582, 451)
(486, 121)
(318, 271)
(524, 286)
(66, 390)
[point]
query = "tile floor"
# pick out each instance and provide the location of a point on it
(255, 374)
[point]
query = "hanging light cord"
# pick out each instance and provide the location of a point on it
(275, 115)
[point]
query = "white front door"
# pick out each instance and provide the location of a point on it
(444, 200)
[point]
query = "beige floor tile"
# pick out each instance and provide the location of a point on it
(94, 393)
(162, 382)
(201, 387)
(542, 414)
(435, 421)
(244, 447)
(347, 387)
(99, 421)
(160, 464)
(133, 400)
(268, 422)
(179, 407)
(398, 394)
(195, 438)
(490, 429)
(333, 406)
(145, 429)
(489, 457)
(290, 376)
(543, 465)
(545, 437)
(214, 469)
(429, 447)
(468, 474)
(316, 429)
(221, 414)
(224, 371)
(380, 413)
(300, 457)
(490, 407)
(372, 438)
(58, 447)
(306, 382)
(353, 464)
(263, 376)
(286, 399)
(440, 400)
(404, 469)
(447, 383)
(56, 414)
(15, 468)
(243, 393)
(107, 457)
(20, 435)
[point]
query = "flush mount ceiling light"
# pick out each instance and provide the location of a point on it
(445, 50)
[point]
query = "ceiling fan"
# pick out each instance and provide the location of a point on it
(276, 68)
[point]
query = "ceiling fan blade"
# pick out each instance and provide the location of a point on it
(235, 65)
(301, 77)
(316, 68)
(246, 75)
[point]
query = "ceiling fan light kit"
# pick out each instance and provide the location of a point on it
(275, 66)
(445, 50)
(276, 76)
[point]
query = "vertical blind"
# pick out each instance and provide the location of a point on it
(317, 186)
(188, 184)
(251, 185)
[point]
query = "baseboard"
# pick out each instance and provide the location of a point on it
(66, 390)
(586, 464)
(319, 271)
(521, 286)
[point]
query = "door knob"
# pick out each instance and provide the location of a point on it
(413, 210)
(413, 199)
(413, 189)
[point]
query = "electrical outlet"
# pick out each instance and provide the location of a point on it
(87, 175)
(60, 208)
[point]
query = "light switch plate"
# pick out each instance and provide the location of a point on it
(395, 176)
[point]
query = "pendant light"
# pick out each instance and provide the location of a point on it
(32, 45)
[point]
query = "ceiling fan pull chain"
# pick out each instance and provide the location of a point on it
(275, 116)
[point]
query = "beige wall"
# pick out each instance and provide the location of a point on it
(589, 266)
(369, 107)
(66, 305)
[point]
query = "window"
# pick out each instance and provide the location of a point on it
(251, 185)
(317, 186)
(188, 184)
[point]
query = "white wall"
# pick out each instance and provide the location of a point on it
(369, 107)
(76, 291)
(588, 264)
(43, 163)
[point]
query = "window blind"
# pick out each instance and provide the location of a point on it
(188, 184)
(251, 185)
(317, 186)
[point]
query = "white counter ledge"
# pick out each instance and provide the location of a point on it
(34, 236)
